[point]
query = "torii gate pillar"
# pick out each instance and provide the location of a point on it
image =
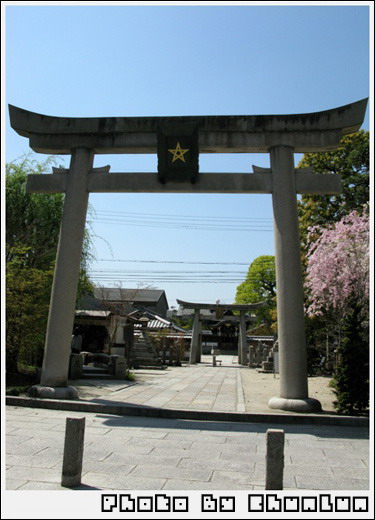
(196, 339)
(290, 307)
(242, 343)
(65, 281)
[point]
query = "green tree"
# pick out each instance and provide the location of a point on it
(351, 161)
(27, 301)
(32, 231)
(337, 284)
(260, 286)
(351, 379)
(32, 220)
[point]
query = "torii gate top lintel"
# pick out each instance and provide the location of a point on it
(223, 306)
(311, 132)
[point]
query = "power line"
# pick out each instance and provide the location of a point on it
(175, 276)
(176, 225)
(208, 276)
(163, 281)
(166, 277)
(190, 217)
(176, 262)
(94, 271)
(202, 223)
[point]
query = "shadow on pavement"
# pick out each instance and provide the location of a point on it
(323, 431)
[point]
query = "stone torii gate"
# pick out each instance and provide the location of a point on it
(196, 340)
(281, 136)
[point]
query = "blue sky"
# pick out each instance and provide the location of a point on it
(121, 60)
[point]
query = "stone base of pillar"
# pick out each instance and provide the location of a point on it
(53, 392)
(295, 405)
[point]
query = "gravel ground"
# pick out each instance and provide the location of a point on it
(258, 387)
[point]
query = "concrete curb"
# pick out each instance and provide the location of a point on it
(197, 415)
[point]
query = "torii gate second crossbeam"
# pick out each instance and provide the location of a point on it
(281, 136)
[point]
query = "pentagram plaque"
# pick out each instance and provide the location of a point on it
(178, 153)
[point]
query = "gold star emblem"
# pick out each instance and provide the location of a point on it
(178, 153)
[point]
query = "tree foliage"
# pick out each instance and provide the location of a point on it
(32, 219)
(351, 379)
(338, 267)
(32, 232)
(27, 297)
(260, 286)
(336, 278)
(351, 161)
(337, 283)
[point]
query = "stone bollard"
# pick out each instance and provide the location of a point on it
(73, 452)
(251, 356)
(120, 368)
(75, 366)
(214, 361)
(274, 459)
(117, 366)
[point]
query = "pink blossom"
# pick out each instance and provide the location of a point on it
(338, 265)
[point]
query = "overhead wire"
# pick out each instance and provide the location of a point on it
(160, 220)
(213, 223)
(189, 217)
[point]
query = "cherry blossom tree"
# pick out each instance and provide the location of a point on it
(337, 283)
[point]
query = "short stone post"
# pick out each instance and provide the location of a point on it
(257, 355)
(120, 367)
(214, 361)
(251, 356)
(274, 459)
(73, 452)
(75, 366)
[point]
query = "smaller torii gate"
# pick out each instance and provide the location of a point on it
(196, 341)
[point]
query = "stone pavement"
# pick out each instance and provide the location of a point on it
(143, 453)
(225, 388)
(156, 453)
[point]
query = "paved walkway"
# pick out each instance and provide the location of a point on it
(189, 387)
(138, 453)
(228, 387)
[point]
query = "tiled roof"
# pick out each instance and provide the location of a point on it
(155, 321)
(92, 314)
(116, 294)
